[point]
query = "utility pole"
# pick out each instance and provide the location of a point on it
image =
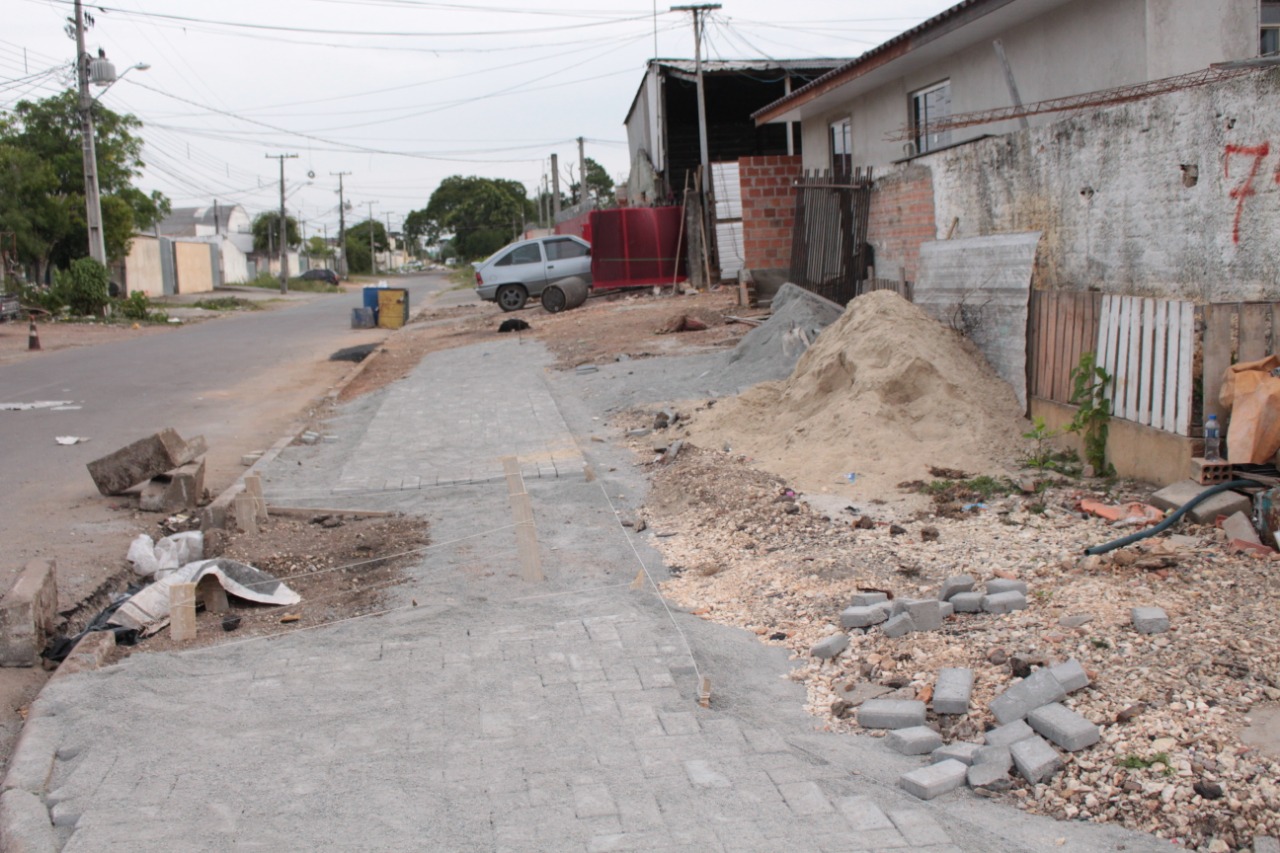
(554, 190)
(373, 254)
(699, 25)
(284, 224)
(582, 173)
(92, 202)
(342, 226)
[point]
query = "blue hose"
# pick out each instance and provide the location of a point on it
(1173, 518)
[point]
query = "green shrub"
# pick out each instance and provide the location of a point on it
(136, 307)
(84, 287)
(45, 298)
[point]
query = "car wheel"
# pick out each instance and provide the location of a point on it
(511, 297)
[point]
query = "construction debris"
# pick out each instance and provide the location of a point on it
(143, 459)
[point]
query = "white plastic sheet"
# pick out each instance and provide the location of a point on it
(148, 610)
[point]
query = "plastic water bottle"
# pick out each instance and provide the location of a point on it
(1212, 439)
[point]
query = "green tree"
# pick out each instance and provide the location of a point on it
(42, 181)
(479, 212)
(599, 185)
(318, 248)
(416, 226)
(359, 259)
(268, 222)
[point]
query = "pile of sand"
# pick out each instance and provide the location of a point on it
(884, 392)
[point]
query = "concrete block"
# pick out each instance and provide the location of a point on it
(967, 602)
(1150, 620)
(1063, 726)
(925, 614)
(915, 740)
(964, 752)
(1018, 700)
(830, 647)
(1035, 759)
(998, 755)
(891, 714)
(899, 625)
(947, 609)
(866, 599)
(139, 462)
(989, 777)
(90, 653)
(24, 824)
(1240, 527)
(995, 586)
(1224, 503)
(935, 779)
(862, 617)
(1004, 602)
(28, 613)
(951, 692)
(174, 490)
(955, 584)
(1010, 734)
(1265, 844)
(1070, 675)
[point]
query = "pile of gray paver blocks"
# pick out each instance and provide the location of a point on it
(1032, 721)
(957, 595)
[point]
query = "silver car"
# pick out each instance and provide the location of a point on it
(514, 273)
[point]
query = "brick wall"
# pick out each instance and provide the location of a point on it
(902, 217)
(768, 209)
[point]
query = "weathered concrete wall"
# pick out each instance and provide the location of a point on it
(195, 269)
(235, 266)
(142, 268)
(1176, 196)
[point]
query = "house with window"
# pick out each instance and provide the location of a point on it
(978, 55)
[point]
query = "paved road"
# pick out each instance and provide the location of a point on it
(236, 379)
(482, 711)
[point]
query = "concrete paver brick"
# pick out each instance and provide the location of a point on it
(1004, 602)
(995, 586)
(1018, 700)
(891, 713)
(926, 614)
(951, 692)
(1265, 844)
(867, 599)
(935, 779)
(962, 751)
(1009, 734)
(864, 814)
(996, 755)
(966, 602)
(1035, 759)
(914, 740)
(918, 827)
(956, 584)
(947, 609)
(862, 617)
(899, 625)
(702, 775)
(805, 798)
(989, 777)
(830, 647)
(1071, 675)
(1150, 620)
(1226, 503)
(1063, 726)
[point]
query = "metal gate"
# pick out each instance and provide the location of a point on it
(829, 241)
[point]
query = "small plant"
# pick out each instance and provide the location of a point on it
(227, 303)
(1099, 643)
(1089, 384)
(1137, 762)
(84, 287)
(136, 306)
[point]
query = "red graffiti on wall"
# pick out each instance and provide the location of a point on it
(1245, 188)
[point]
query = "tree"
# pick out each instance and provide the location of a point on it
(416, 226)
(358, 257)
(42, 181)
(483, 214)
(318, 248)
(268, 222)
(599, 185)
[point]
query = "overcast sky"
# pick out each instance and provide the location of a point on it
(400, 93)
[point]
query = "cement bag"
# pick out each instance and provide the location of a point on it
(1240, 379)
(1253, 435)
(142, 554)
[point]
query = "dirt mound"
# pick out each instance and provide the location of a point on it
(883, 393)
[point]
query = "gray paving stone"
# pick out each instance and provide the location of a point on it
(891, 713)
(1150, 620)
(805, 798)
(702, 775)
(1009, 734)
(947, 609)
(999, 585)
(961, 751)
(1265, 844)
(1023, 697)
(862, 617)
(926, 614)
(996, 755)
(898, 626)
(1064, 727)
(867, 599)
(830, 647)
(955, 584)
(951, 692)
(966, 602)
(934, 780)
(915, 740)
(989, 777)
(1035, 759)
(918, 827)
(1070, 675)
(1226, 503)
(863, 814)
(1004, 602)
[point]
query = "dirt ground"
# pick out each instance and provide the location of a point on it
(14, 336)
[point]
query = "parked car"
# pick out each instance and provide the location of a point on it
(515, 273)
(320, 275)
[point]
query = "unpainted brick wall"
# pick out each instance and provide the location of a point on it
(901, 218)
(768, 209)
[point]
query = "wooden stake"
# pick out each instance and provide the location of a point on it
(704, 692)
(522, 511)
(253, 486)
(182, 611)
(246, 513)
(211, 594)
(638, 583)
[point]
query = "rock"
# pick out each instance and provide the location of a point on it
(896, 530)
(997, 656)
(840, 707)
(1077, 620)
(1208, 790)
(1020, 665)
(1129, 713)
(929, 533)
(830, 647)
(866, 523)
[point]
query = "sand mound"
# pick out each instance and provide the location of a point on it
(884, 392)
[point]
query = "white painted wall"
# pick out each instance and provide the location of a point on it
(1116, 206)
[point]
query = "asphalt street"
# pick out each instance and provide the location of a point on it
(479, 709)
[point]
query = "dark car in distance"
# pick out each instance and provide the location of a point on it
(320, 275)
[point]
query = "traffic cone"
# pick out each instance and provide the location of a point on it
(33, 336)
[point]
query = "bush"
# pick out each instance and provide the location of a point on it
(136, 307)
(85, 287)
(45, 298)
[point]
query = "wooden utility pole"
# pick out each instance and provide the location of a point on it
(284, 224)
(699, 25)
(555, 189)
(342, 227)
(92, 203)
(373, 253)
(582, 173)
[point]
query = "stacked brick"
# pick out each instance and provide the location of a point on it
(768, 209)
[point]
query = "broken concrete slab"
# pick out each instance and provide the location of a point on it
(28, 613)
(174, 490)
(1224, 503)
(140, 461)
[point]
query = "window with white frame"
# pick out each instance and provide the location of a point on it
(928, 106)
(1269, 43)
(841, 134)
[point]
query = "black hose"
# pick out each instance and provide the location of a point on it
(1172, 518)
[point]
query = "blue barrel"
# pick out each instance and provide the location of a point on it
(371, 302)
